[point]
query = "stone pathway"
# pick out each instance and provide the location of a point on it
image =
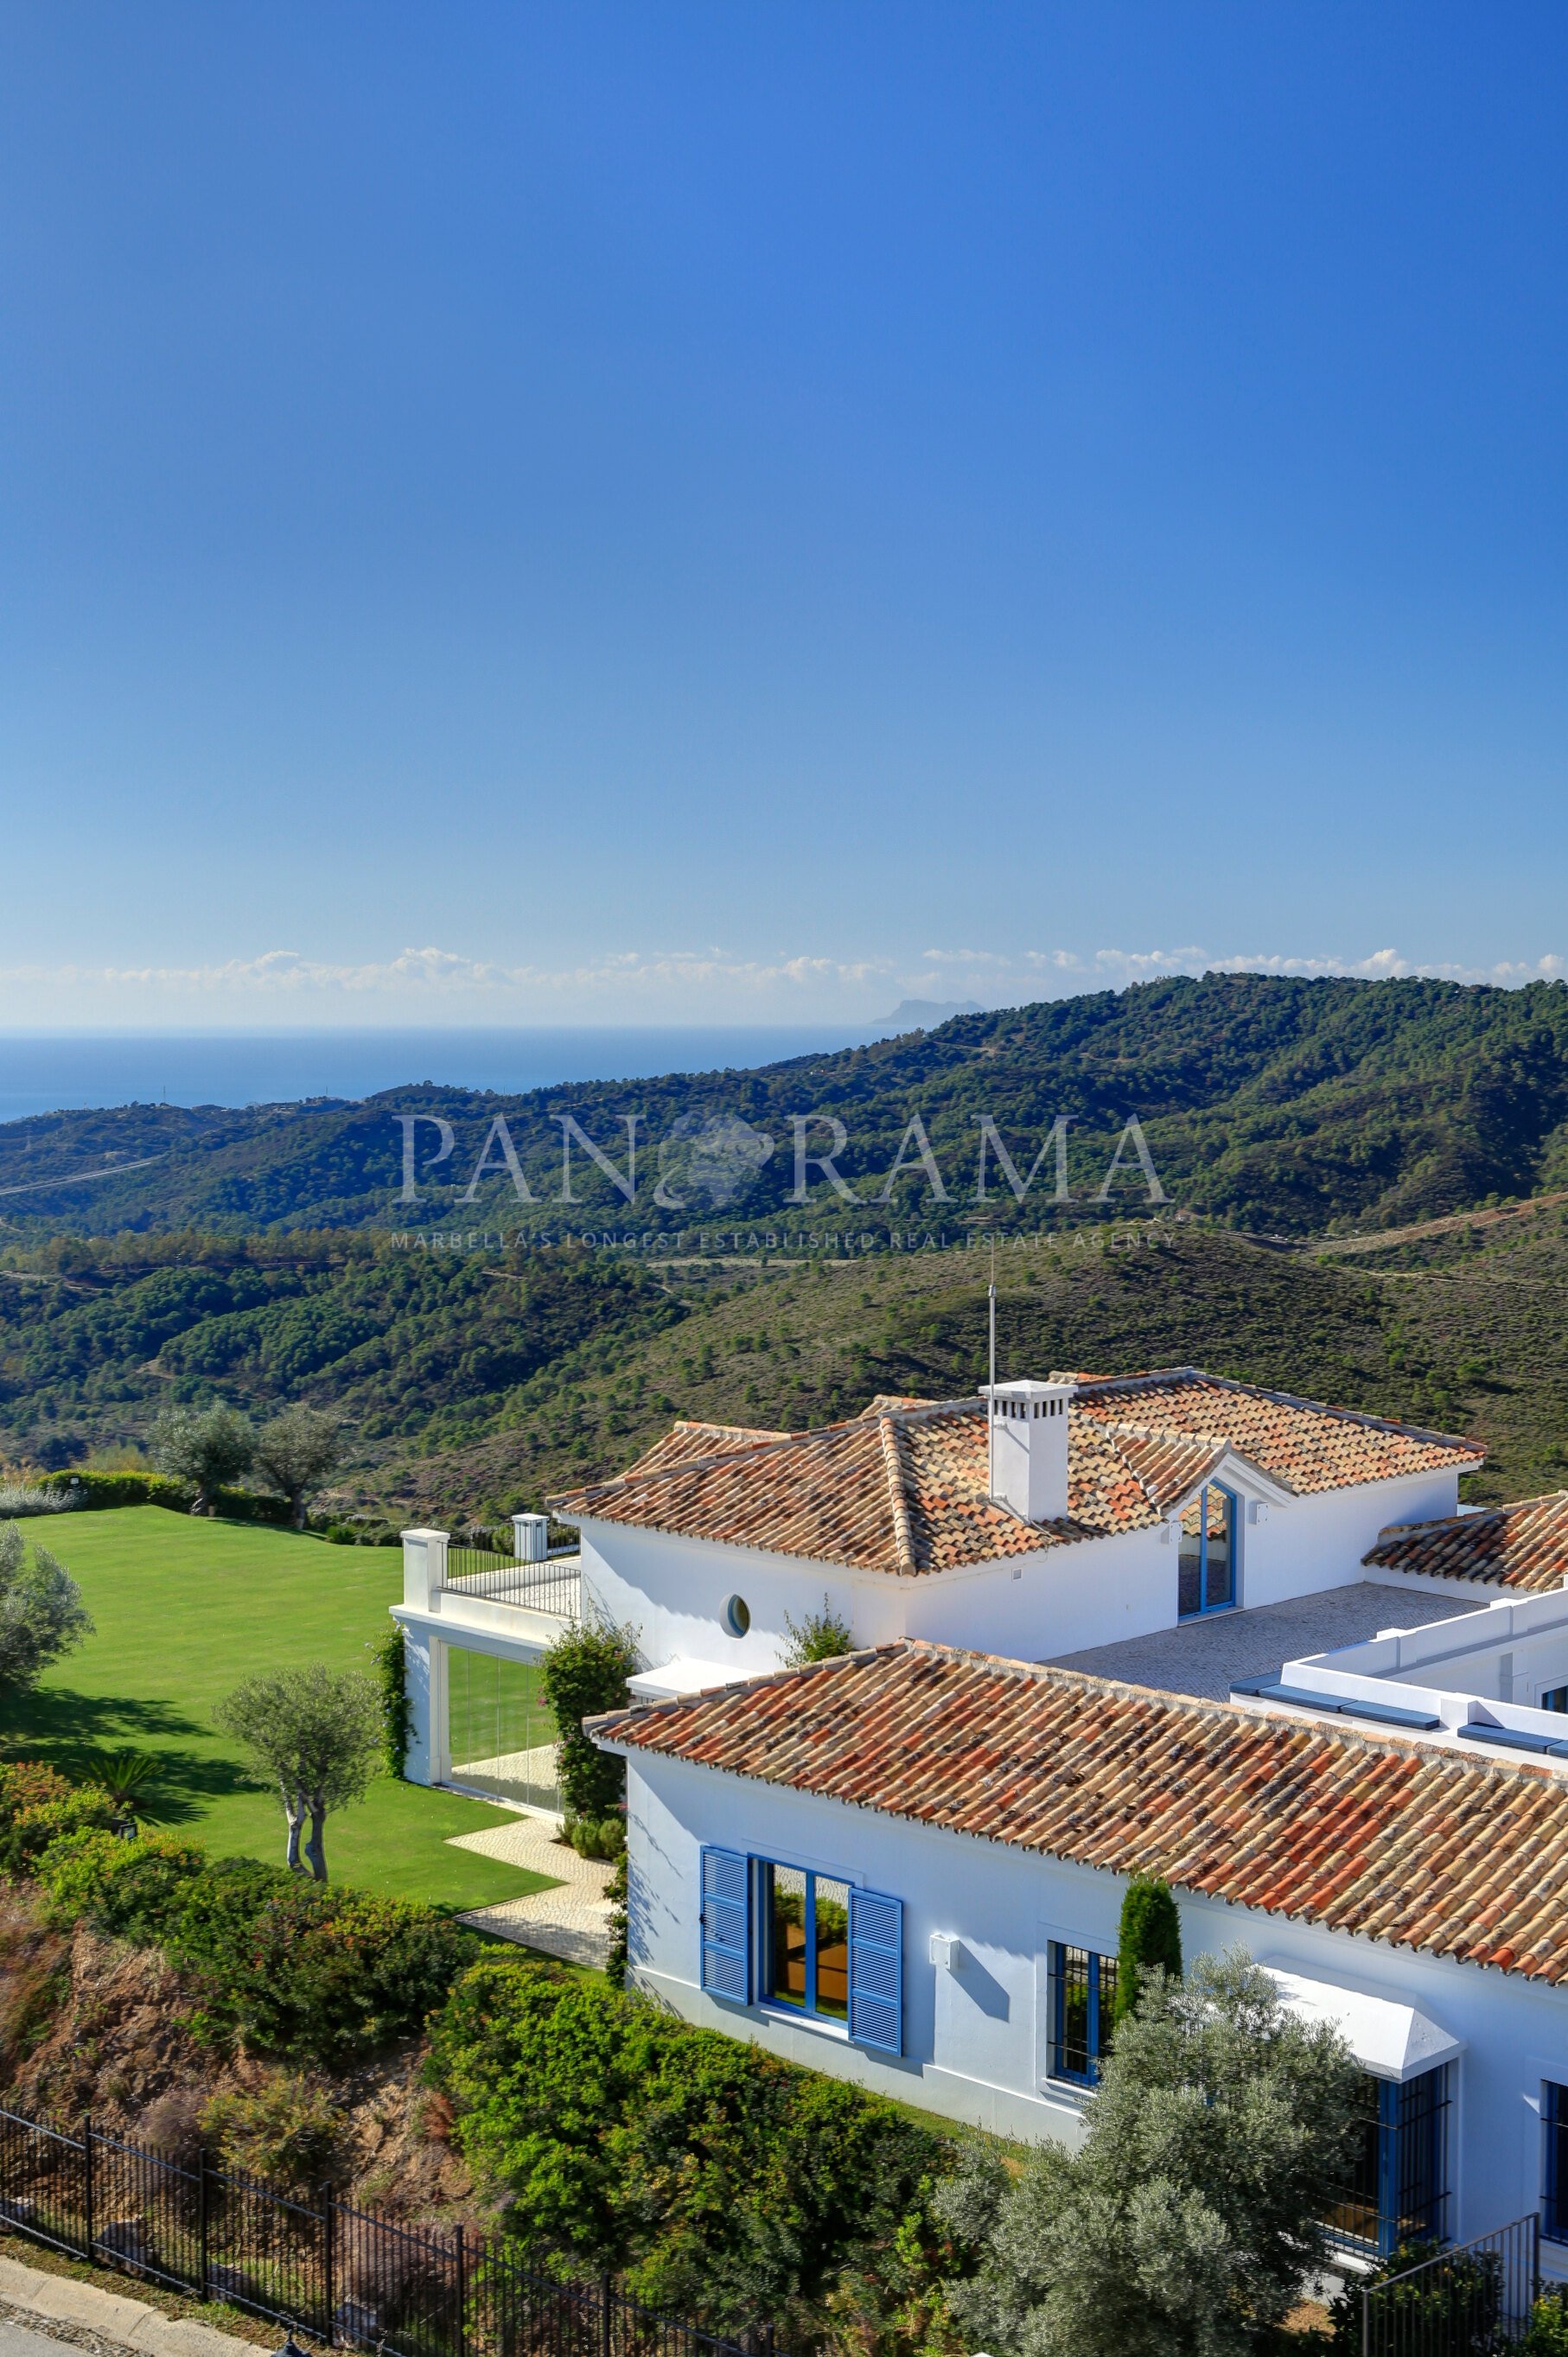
(573, 1921)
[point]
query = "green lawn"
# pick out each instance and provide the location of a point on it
(185, 1608)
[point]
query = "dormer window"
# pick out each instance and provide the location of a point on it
(1206, 1569)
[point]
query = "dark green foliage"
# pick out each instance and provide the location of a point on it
(278, 1964)
(94, 1491)
(391, 1679)
(1187, 2222)
(1150, 1939)
(1445, 2305)
(584, 1673)
(1290, 1108)
(615, 1891)
(728, 2184)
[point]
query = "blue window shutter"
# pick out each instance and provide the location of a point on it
(725, 1921)
(876, 1970)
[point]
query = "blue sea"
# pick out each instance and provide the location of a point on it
(57, 1072)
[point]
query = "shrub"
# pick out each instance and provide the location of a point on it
(1451, 2309)
(818, 1636)
(1187, 2221)
(288, 2132)
(24, 1783)
(726, 2182)
(392, 1680)
(278, 1964)
(172, 2124)
(583, 1673)
(133, 1891)
(34, 1830)
(311, 1973)
(601, 1837)
(1547, 2333)
(95, 1490)
(1149, 1939)
(19, 1499)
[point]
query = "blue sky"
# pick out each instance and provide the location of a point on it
(579, 512)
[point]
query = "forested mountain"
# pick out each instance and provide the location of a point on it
(265, 1256)
(1268, 1104)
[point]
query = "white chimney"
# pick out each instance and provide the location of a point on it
(1028, 1448)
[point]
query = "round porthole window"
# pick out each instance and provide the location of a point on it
(737, 1615)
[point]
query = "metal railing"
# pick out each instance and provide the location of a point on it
(1474, 2300)
(334, 2275)
(478, 1566)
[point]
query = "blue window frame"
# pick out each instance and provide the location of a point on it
(812, 1942)
(1397, 2188)
(1206, 1567)
(1556, 1698)
(1083, 1999)
(1554, 2160)
(804, 1920)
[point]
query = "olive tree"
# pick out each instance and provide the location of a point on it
(317, 1734)
(41, 1612)
(207, 1447)
(1187, 2221)
(295, 1452)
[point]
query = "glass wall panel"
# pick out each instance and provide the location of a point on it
(501, 1734)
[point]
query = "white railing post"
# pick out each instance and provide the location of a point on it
(424, 1566)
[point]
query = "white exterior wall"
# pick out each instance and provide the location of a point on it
(975, 2039)
(1031, 1607)
(673, 1591)
(1318, 1542)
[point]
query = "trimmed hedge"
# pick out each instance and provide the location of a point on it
(726, 2183)
(94, 1492)
(291, 1968)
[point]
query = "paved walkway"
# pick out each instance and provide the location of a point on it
(572, 1920)
(92, 2317)
(1203, 1657)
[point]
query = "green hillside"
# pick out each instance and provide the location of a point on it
(472, 1385)
(482, 1354)
(1268, 1104)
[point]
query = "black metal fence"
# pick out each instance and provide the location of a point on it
(1474, 2300)
(480, 1563)
(311, 2264)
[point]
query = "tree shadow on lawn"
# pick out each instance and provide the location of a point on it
(79, 1733)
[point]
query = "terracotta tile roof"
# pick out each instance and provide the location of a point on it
(1523, 1545)
(685, 1441)
(903, 1487)
(1302, 1443)
(1380, 1835)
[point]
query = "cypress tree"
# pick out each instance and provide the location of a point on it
(1150, 1935)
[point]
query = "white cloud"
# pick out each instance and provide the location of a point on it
(698, 986)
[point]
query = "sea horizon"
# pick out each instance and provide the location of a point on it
(61, 1070)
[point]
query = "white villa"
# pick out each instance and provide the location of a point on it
(1162, 1622)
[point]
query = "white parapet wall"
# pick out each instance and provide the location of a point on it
(1486, 1667)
